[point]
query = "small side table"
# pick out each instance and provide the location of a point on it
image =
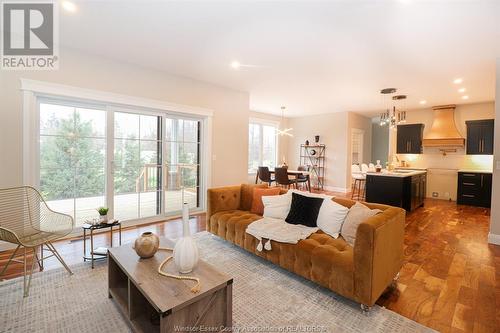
(100, 252)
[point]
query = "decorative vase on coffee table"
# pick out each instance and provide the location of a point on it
(146, 245)
(185, 250)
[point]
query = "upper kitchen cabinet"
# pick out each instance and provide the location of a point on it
(409, 139)
(480, 135)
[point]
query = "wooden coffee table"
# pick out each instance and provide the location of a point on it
(154, 303)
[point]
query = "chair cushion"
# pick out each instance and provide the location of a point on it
(258, 193)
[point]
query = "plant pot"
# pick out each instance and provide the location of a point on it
(103, 218)
(146, 245)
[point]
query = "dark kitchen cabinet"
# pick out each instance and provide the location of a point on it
(405, 192)
(480, 136)
(474, 188)
(409, 139)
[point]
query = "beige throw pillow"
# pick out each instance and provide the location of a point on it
(358, 213)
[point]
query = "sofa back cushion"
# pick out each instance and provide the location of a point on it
(247, 195)
(258, 193)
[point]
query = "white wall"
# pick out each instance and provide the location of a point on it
(495, 199)
(332, 129)
(230, 121)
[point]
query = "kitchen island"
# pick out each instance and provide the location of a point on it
(400, 188)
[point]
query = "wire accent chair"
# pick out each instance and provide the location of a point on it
(26, 220)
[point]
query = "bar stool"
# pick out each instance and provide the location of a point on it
(359, 182)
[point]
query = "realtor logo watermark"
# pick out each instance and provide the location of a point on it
(30, 32)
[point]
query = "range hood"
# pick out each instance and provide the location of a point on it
(444, 132)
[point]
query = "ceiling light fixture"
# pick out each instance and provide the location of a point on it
(458, 81)
(69, 6)
(392, 116)
(284, 131)
(462, 90)
(465, 97)
(423, 102)
(235, 65)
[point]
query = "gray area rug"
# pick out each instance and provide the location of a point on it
(265, 298)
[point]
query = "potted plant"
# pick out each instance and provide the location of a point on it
(103, 214)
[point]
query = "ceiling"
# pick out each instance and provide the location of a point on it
(312, 57)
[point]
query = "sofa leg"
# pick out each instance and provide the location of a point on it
(394, 284)
(366, 309)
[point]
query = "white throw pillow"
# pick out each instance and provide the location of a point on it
(331, 214)
(277, 206)
(331, 217)
(357, 215)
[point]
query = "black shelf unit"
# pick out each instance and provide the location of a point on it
(313, 157)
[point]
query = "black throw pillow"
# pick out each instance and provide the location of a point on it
(304, 210)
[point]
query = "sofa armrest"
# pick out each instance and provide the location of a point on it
(378, 254)
(222, 198)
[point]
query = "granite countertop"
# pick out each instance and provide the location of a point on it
(406, 173)
(475, 171)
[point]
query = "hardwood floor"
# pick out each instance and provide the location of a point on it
(450, 280)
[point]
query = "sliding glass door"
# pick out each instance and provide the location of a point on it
(182, 163)
(73, 158)
(137, 164)
(141, 164)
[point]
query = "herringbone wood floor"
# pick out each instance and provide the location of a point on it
(450, 280)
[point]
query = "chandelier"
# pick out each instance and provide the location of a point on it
(284, 131)
(393, 115)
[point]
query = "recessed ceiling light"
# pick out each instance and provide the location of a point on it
(235, 65)
(69, 6)
(465, 97)
(423, 102)
(458, 81)
(462, 90)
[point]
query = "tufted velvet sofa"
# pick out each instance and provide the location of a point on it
(360, 273)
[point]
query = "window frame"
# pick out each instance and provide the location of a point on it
(36, 91)
(261, 123)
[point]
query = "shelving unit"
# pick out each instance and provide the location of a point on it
(313, 157)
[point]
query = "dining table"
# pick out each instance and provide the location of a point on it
(294, 173)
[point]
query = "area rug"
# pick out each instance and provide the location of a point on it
(266, 298)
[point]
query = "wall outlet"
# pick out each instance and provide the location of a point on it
(435, 194)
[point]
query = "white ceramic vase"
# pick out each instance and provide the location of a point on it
(185, 250)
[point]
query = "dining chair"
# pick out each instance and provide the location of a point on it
(359, 181)
(303, 179)
(264, 175)
(281, 176)
(27, 221)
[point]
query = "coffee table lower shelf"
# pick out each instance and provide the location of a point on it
(212, 309)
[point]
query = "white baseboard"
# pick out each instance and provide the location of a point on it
(336, 189)
(493, 239)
